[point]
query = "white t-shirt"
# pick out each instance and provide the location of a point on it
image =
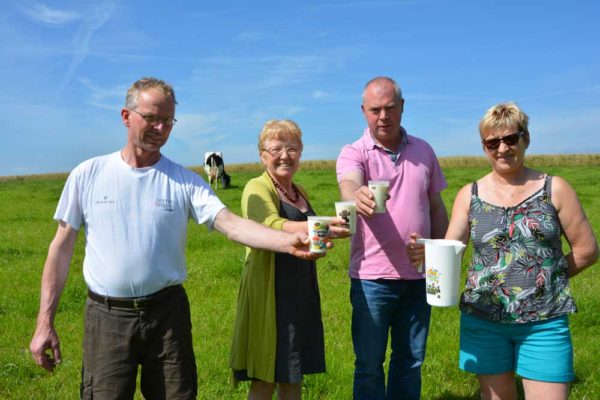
(135, 221)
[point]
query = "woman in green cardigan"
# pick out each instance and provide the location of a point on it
(278, 333)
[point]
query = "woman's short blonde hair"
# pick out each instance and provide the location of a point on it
(503, 116)
(282, 129)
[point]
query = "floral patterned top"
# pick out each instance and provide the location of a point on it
(518, 272)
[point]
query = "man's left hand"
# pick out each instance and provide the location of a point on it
(300, 247)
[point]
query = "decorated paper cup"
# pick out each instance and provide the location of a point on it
(347, 211)
(318, 233)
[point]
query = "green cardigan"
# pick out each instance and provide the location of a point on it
(253, 345)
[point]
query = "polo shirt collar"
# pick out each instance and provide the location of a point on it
(372, 144)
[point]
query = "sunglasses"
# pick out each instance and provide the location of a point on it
(509, 140)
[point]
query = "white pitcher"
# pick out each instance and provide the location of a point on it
(442, 270)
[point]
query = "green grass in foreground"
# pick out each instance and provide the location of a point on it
(214, 270)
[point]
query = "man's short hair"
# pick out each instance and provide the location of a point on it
(146, 83)
(379, 80)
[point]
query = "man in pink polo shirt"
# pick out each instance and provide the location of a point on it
(387, 292)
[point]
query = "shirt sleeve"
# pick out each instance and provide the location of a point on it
(349, 160)
(437, 179)
(205, 205)
(69, 208)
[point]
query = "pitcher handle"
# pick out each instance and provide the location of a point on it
(421, 268)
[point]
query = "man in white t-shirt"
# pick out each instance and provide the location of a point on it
(134, 206)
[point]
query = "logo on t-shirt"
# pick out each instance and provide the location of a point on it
(105, 200)
(165, 204)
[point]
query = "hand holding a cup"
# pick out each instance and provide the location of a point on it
(300, 246)
(371, 199)
(380, 194)
(338, 228)
(319, 233)
(346, 211)
(364, 201)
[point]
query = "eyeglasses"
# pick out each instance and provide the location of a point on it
(155, 119)
(278, 151)
(509, 140)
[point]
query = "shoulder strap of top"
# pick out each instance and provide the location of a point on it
(474, 189)
(548, 186)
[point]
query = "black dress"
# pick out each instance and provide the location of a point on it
(300, 342)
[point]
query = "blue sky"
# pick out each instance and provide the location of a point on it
(67, 64)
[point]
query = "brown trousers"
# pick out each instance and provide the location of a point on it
(117, 340)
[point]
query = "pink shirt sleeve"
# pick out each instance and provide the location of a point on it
(349, 160)
(438, 182)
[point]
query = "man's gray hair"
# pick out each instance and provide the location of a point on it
(382, 79)
(131, 100)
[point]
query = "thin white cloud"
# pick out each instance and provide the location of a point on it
(437, 97)
(286, 110)
(360, 4)
(191, 126)
(294, 69)
(319, 94)
(482, 104)
(565, 131)
(594, 88)
(552, 131)
(293, 110)
(250, 36)
(264, 72)
(262, 114)
(109, 99)
(81, 42)
(42, 13)
(461, 122)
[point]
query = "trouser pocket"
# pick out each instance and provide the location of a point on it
(85, 390)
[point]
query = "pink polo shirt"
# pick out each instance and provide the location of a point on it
(378, 248)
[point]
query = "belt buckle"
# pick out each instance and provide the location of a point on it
(138, 304)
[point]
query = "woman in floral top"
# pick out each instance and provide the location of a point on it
(517, 296)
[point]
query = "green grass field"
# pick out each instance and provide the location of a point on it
(215, 265)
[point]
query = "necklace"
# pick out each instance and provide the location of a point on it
(293, 198)
(511, 190)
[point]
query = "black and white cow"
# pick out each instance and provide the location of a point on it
(215, 169)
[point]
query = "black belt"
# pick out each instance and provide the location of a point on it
(134, 303)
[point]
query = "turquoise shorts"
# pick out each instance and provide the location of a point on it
(540, 351)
